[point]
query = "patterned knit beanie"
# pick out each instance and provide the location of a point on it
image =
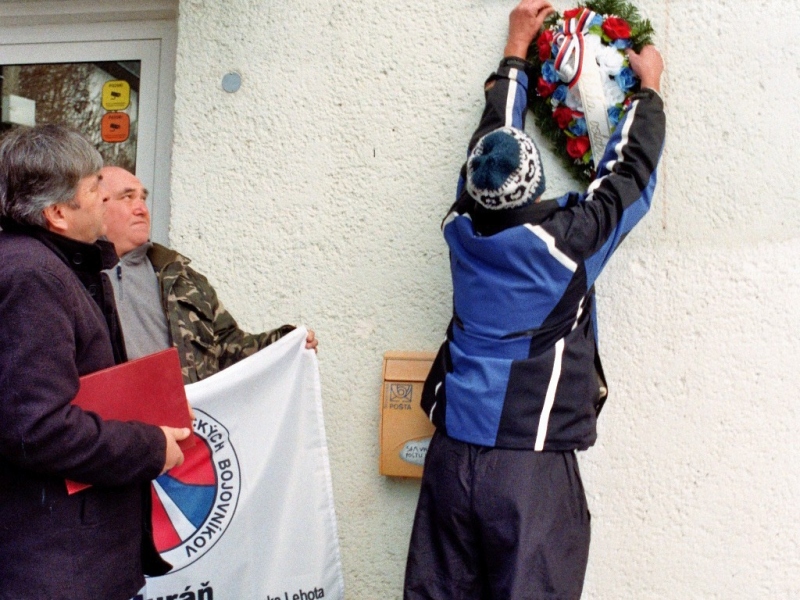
(505, 170)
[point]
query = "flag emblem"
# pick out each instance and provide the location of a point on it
(193, 504)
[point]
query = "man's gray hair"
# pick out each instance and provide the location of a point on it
(42, 166)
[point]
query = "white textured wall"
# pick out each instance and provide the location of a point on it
(314, 195)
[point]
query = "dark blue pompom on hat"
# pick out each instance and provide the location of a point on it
(504, 170)
(500, 158)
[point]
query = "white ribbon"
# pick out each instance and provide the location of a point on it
(577, 64)
(595, 110)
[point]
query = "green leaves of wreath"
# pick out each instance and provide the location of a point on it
(542, 107)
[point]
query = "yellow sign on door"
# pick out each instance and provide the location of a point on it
(116, 95)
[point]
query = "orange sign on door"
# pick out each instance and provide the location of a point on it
(115, 127)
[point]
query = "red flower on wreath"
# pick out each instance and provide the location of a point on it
(616, 28)
(544, 89)
(563, 115)
(578, 146)
(572, 12)
(545, 44)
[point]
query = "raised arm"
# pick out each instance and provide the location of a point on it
(506, 90)
(648, 66)
(618, 198)
(524, 24)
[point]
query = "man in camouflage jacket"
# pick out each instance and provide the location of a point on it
(205, 333)
(161, 300)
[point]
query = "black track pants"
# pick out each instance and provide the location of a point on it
(498, 524)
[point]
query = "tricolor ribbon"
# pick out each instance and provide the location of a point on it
(569, 61)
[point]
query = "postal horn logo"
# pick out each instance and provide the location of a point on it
(193, 504)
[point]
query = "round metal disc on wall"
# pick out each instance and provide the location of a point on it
(231, 82)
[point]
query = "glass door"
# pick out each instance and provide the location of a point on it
(112, 90)
(99, 98)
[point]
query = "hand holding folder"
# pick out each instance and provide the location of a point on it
(148, 389)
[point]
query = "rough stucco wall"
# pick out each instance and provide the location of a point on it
(314, 195)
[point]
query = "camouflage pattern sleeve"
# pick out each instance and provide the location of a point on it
(206, 335)
(237, 344)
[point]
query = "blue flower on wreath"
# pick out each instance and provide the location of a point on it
(621, 44)
(549, 72)
(625, 79)
(578, 127)
(614, 116)
(560, 94)
(597, 21)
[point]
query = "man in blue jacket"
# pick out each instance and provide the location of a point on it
(517, 385)
(58, 323)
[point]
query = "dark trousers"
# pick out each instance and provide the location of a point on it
(498, 524)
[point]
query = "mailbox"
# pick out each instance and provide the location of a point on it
(406, 430)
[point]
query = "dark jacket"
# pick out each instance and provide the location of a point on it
(57, 320)
(204, 332)
(520, 367)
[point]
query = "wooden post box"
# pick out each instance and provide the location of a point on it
(406, 430)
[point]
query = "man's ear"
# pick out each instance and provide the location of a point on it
(55, 219)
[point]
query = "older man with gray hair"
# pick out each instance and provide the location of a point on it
(58, 322)
(162, 300)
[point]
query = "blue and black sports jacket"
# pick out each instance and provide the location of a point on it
(520, 366)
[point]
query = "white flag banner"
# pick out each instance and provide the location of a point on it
(250, 512)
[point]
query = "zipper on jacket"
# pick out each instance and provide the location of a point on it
(119, 279)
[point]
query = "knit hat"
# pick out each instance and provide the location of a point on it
(504, 170)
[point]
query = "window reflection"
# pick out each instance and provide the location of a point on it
(72, 93)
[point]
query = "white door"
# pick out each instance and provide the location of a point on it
(112, 81)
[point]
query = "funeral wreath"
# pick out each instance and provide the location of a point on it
(583, 80)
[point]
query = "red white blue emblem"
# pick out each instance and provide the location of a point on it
(193, 504)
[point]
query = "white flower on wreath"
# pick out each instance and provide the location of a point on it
(613, 93)
(592, 44)
(573, 100)
(610, 60)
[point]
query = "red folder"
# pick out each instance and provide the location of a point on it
(148, 389)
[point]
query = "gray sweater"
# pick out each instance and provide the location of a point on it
(138, 297)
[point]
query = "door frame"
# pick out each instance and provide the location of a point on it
(81, 31)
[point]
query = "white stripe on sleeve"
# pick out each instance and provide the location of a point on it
(511, 98)
(624, 138)
(550, 242)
